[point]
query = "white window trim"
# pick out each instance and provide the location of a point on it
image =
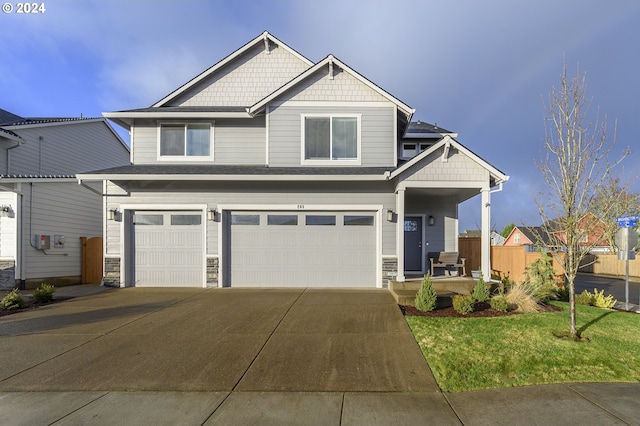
(185, 158)
(330, 162)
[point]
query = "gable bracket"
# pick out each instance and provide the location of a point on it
(266, 44)
(445, 153)
(330, 67)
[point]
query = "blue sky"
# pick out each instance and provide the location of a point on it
(479, 68)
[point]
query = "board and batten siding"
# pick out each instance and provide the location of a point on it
(173, 201)
(377, 128)
(66, 149)
(57, 208)
(235, 141)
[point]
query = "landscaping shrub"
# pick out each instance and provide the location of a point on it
(584, 298)
(522, 296)
(13, 300)
(600, 301)
(597, 299)
(426, 298)
(541, 278)
(499, 303)
(44, 293)
(480, 291)
(463, 304)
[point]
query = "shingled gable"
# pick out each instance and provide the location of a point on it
(330, 63)
(265, 39)
(445, 145)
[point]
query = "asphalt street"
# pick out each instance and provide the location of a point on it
(611, 285)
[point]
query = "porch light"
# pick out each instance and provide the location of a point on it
(432, 220)
(212, 215)
(113, 214)
(390, 215)
(5, 211)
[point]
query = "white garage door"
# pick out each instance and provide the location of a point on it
(310, 249)
(168, 249)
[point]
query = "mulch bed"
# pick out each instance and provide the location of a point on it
(480, 310)
(30, 305)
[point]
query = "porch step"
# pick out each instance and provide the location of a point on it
(405, 292)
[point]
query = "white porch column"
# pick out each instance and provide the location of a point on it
(400, 234)
(485, 240)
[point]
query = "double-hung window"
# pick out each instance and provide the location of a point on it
(189, 140)
(331, 138)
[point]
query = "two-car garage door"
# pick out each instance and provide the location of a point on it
(261, 249)
(302, 249)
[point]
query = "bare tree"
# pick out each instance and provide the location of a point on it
(576, 165)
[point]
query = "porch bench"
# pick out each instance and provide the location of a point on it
(447, 260)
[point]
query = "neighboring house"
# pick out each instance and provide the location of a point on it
(529, 236)
(44, 211)
(496, 238)
(593, 230)
(269, 170)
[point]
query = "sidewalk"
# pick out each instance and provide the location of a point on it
(580, 403)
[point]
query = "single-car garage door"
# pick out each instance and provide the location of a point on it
(296, 249)
(168, 249)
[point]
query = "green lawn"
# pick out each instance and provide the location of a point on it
(517, 350)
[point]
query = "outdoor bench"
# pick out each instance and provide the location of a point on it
(447, 260)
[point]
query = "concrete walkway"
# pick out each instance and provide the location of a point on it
(232, 356)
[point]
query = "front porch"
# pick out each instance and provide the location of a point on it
(445, 286)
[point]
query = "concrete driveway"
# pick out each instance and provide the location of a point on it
(214, 340)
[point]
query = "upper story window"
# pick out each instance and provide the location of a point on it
(411, 149)
(185, 140)
(331, 138)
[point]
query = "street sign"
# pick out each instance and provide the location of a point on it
(628, 221)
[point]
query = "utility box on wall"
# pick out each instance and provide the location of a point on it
(43, 242)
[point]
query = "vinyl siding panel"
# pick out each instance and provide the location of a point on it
(58, 209)
(68, 148)
(250, 194)
(235, 141)
(377, 133)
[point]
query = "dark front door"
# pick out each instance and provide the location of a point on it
(413, 243)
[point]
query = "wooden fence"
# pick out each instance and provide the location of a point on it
(608, 264)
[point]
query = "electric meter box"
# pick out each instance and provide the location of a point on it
(43, 242)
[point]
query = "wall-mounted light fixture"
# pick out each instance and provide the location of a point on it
(6, 211)
(113, 214)
(431, 220)
(213, 215)
(390, 215)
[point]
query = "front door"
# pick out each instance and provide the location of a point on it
(413, 244)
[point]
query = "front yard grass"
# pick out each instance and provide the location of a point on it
(518, 350)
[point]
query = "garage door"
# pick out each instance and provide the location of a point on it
(310, 249)
(168, 249)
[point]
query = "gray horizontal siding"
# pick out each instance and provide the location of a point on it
(377, 138)
(235, 141)
(291, 196)
(59, 209)
(67, 149)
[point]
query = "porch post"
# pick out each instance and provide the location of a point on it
(400, 234)
(485, 240)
